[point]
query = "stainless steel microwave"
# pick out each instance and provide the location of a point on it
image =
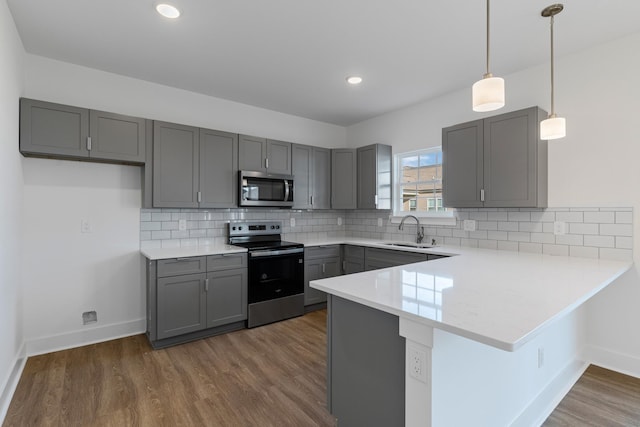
(264, 189)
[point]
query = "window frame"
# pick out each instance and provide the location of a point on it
(426, 217)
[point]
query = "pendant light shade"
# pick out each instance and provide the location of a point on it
(488, 93)
(553, 127)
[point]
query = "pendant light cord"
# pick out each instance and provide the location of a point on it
(488, 74)
(553, 110)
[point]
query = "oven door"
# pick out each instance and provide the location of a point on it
(275, 274)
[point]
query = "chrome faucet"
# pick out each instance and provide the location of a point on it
(420, 229)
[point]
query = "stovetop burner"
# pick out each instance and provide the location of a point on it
(258, 235)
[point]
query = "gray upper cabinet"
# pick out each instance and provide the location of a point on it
(311, 168)
(175, 165)
(343, 178)
(61, 131)
(218, 171)
(374, 177)
(193, 167)
(496, 162)
(264, 155)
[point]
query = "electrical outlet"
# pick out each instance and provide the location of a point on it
(89, 317)
(540, 357)
(339, 221)
(182, 224)
(469, 225)
(379, 222)
(559, 228)
(292, 222)
(85, 226)
(416, 364)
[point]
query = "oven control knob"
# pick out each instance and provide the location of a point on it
(273, 226)
(239, 228)
(277, 226)
(234, 227)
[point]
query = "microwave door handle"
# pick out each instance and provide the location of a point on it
(286, 190)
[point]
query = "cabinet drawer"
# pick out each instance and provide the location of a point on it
(177, 266)
(393, 257)
(351, 251)
(322, 252)
(226, 261)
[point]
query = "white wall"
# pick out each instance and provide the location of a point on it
(67, 273)
(11, 337)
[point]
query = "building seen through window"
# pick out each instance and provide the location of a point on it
(419, 181)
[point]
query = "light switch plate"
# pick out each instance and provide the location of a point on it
(292, 222)
(469, 225)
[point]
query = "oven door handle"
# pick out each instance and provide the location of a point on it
(276, 253)
(286, 190)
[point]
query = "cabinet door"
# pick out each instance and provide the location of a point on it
(218, 169)
(353, 259)
(510, 159)
(175, 166)
(462, 158)
(226, 297)
(343, 178)
(279, 155)
(252, 153)
(313, 271)
(117, 137)
(367, 177)
(332, 267)
(53, 129)
(321, 188)
(302, 168)
(181, 305)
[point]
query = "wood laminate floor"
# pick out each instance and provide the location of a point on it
(268, 376)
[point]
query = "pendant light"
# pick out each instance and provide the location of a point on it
(553, 127)
(488, 93)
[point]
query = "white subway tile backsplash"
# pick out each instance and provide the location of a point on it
(600, 241)
(570, 216)
(580, 228)
(600, 217)
(619, 254)
(591, 232)
(560, 250)
(624, 217)
(616, 230)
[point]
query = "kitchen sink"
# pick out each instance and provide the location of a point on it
(409, 245)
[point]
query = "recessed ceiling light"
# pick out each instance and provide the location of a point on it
(354, 80)
(167, 10)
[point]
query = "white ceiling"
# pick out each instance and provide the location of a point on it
(293, 56)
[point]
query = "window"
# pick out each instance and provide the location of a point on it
(418, 184)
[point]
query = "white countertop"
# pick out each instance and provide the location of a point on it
(499, 298)
(189, 251)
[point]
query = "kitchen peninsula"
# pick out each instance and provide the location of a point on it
(490, 337)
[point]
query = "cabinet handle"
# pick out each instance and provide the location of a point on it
(206, 285)
(311, 200)
(482, 195)
(89, 143)
(266, 163)
(199, 196)
(344, 266)
(184, 259)
(323, 269)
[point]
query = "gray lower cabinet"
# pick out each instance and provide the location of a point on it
(499, 161)
(344, 176)
(320, 262)
(66, 132)
(311, 167)
(365, 365)
(382, 258)
(374, 177)
(195, 297)
(352, 259)
(193, 168)
(264, 155)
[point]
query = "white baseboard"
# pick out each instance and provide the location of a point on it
(619, 362)
(6, 393)
(547, 400)
(84, 337)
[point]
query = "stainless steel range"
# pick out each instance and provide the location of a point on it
(276, 271)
